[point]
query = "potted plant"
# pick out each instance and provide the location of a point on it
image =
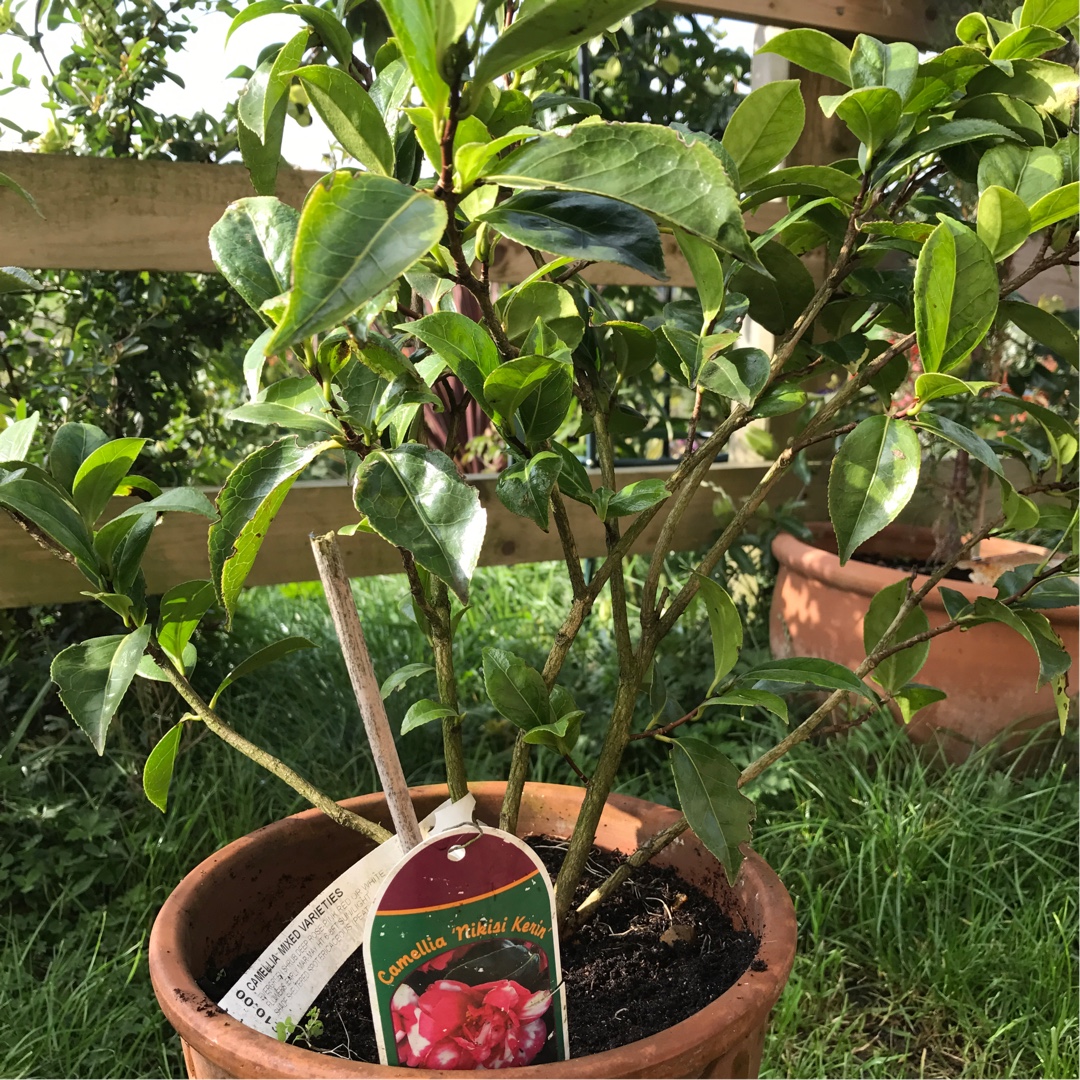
(461, 146)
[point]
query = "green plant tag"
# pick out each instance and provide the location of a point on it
(463, 956)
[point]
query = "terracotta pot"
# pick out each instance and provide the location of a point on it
(989, 672)
(233, 902)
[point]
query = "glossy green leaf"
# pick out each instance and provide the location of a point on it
(350, 114)
(813, 50)
(415, 24)
(251, 244)
(635, 497)
(874, 63)
(397, 679)
(872, 478)
(1041, 83)
(296, 403)
(583, 226)
(516, 690)
(538, 390)
(466, 347)
(725, 626)
(1035, 628)
(940, 137)
(71, 446)
(414, 498)
(552, 304)
(740, 374)
(12, 185)
(17, 438)
(1050, 13)
(1029, 171)
(93, 677)
(708, 788)
(357, 234)
(525, 487)
(1020, 511)
(802, 670)
(708, 276)
(764, 128)
(52, 515)
(813, 180)
(182, 607)
(1003, 223)
(961, 437)
(254, 11)
(942, 75)
(932, 385)
(248, 502)
(422, 712)
(175, 500)
(956, 295)
(646, 166)
(544, 30)
(16, 279)
(1055, 206)
(911, 699)
(1044, 327)
(158, 770)
(1026, 43)
(776, 301)
(780, 400)
(330, 29)
(895, 671)
(574, 479)
(262, 156)
(269, 654)
(100, 475)
(871, 113)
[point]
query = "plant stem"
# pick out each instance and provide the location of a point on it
(442, 640)
(263, 757)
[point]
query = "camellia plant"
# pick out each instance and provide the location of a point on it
(459, 145)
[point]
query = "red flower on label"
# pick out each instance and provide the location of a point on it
(455, 1026)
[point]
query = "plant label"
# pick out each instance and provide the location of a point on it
(463, 958)
(289, 974)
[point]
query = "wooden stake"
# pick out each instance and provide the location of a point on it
(365, 686)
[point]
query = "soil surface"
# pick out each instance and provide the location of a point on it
(657, 952)
(909, 564)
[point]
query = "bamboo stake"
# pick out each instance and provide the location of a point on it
(365, 686)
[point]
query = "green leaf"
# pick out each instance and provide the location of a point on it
(764, 128)
(525, 487)
(414, 498)
(1026, 43)
(899, 669)
(635, 497)
(357, 234)
(296, 402)
(872, 479)
(915, 697)
(1020, 511)
(871, 113)
(329, 28)
(248, 502)
(175, 500)
(54, 516)
(350, 114)
(1004, 222)
(181, 609)
(251, 244)
(269, 654)
(12, 185)
(813, 180)
(708, 788)
(71, 446)
(1044, 327)
(800, 670)
(942, 75)
(813, 50)
(1049, 86)
(17, 438)
(1035, 628)
(397, 679)
(646, 166)
(538, 390)
(776, 301)
(541, 31)
(1055, 206)
(1031, 172)
(956, 294)
(516, 690)
(708, 276)
(740, 374)
(424, 712)
(962, 437)
(100, 475)
(466, 347)
(876, 64)
(254, 11)
(262, 157)
(415, 24)
(779, 401)
(149, 669)
(931, 385)
(582, 226)
(16, 279)
(574, 480)
(751, 699)
(940, 137)
(725, 626)
(521, 307)
(1053, 14)
(93, 677)
(158, 770)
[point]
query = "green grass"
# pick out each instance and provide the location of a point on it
(937, 909)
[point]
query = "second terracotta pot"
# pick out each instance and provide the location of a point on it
(232, 903)
(989, 672)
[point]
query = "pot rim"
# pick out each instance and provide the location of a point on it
(869, 579)
(737, 1009)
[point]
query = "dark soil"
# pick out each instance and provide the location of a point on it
(910, 564)
(658, 951)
